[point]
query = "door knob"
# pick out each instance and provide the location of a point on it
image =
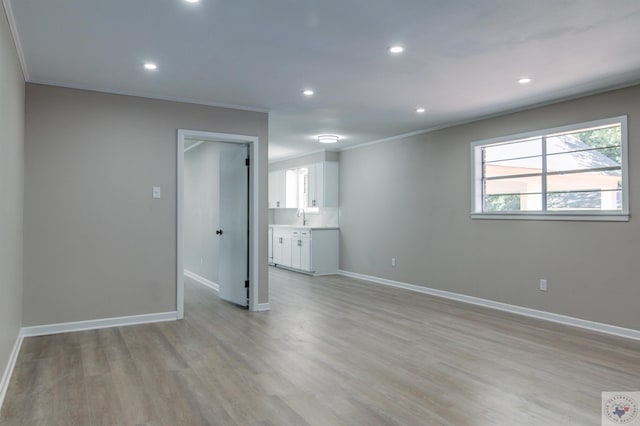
(219, 232)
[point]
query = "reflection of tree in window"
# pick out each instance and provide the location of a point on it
(502, 203)
(582, 170)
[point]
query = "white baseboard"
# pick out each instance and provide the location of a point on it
(67, 327)
(263, 307)
(201, 280)
(514, 309)
(8, 371)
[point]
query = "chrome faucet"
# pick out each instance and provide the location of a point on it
(302, 213)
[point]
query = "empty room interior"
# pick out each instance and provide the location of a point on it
(414, 212)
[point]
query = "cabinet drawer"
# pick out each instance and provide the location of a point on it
(287, 232)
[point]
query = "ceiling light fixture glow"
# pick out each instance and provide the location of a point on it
(396, 49)
(420, 110)
(150, 66)
(328, 138)
(192, 1)
(308, 92)
(525, 80)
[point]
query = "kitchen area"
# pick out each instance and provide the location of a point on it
(304, 214)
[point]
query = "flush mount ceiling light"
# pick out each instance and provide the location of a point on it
(308, 92)
(150, 66)
(525, 80)
(192, 1)
(396, 49)
(328, 138)
(420, 110)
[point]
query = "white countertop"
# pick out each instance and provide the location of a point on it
(316, 228)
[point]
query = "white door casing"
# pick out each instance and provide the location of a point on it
(254, 222)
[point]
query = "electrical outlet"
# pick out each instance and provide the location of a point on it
(543, 285)
(393, 261)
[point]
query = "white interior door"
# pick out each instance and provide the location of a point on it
(233, 231)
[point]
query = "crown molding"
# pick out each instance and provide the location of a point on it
(16, 38)
(147, 95)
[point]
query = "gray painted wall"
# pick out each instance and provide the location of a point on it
(11, 191)
(96, 244)
(201, 210)
(410, 199)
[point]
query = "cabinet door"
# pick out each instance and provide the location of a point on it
(286, 251)
(305, 254)
(277, 187)
(277, 249)
(270, 255)
(315, 191)
(323, 184)
(295, 253)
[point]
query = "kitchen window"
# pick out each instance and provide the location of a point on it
(576, 172)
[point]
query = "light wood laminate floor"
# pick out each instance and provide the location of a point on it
(333, 350)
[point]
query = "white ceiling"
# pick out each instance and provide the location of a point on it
(462, 60)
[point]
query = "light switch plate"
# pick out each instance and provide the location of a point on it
(156, 192)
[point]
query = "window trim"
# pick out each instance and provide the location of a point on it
(603, 215)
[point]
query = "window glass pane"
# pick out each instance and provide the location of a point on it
(514, 185)
(580, 160)
(585, 139)
(585, 200)
(513, 202)
(513, 194)
(591, 181)
(519, 166)
(580, 170)
(507, 151)
(291, 193)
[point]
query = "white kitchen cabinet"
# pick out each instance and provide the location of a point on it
(314, 185)
(277, 189)
(282, 248)
(323, 184)
(301, 250)
(309, 250)
(315, 190)
(270, 250)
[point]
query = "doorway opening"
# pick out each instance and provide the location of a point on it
(216, 207)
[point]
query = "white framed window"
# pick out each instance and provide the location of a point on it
(576, 172)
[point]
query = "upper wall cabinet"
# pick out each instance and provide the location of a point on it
(311, 186)
(323, 185)
(277, 188)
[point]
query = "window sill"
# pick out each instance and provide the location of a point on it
(603, 217)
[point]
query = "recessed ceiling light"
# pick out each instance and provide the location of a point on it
(328, 138)
(525, 80)
(396, 49)
(150, 66)
(420, 110)
(308, 92)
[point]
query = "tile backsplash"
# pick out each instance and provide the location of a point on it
(325, 217)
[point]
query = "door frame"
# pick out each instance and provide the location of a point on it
(254, 216)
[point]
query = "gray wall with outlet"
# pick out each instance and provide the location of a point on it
(410, 199)
(96, 243)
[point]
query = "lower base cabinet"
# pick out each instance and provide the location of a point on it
(313, 251)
